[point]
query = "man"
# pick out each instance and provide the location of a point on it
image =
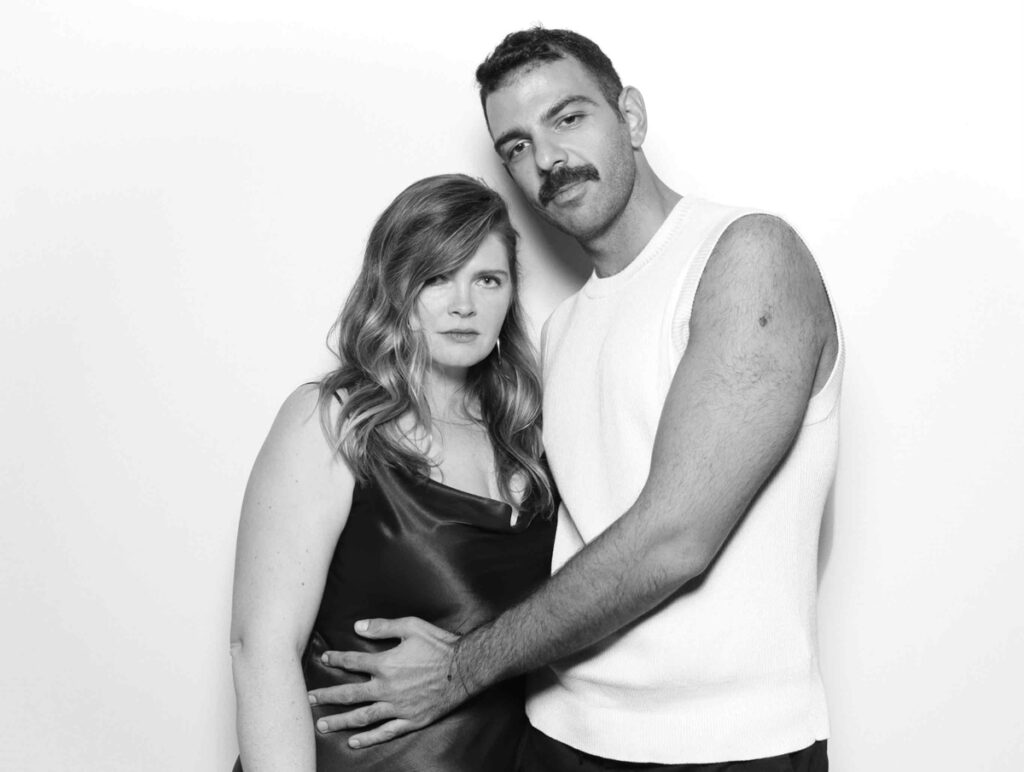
(691, 399)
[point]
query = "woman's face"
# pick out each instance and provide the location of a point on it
(461, 313)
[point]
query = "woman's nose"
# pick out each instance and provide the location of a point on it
(461, 301)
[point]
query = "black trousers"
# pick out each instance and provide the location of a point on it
(540, 753)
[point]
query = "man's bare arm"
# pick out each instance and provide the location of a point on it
(760, 324)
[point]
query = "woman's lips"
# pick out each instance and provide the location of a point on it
(462, 336)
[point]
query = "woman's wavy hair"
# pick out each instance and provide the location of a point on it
(433, 227)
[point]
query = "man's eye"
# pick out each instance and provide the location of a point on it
(571, 120)
(515, 150)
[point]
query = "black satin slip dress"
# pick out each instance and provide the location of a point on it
(416, 547)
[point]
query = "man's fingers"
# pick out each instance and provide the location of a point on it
(386, 628)
(382, 734)
(358, 661)
(358, 718)
(345, 694)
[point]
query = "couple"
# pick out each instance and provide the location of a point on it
(690, 400)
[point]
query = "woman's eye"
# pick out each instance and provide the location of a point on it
(490, 281)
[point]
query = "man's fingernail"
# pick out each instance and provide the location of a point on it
(321, 725)
(312, 699)
(362, 625)
(353, 743)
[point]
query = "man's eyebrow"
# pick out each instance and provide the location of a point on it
(551, 112)
(561, 104)
(506, 137)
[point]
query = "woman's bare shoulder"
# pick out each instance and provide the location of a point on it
(300, 432)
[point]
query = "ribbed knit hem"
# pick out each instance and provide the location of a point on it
(703, 726)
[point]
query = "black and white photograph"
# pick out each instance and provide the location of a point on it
(555, 387)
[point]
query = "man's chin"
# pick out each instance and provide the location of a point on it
(569, 221)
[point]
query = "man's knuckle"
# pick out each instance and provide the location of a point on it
(342, 697)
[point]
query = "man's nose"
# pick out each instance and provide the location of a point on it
(548, 154)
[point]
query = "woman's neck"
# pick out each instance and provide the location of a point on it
(446, 395)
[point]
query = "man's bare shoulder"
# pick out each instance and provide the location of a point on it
(763, 243)
(760, 257)
(761, 268)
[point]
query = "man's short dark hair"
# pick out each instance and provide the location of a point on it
(538, 45)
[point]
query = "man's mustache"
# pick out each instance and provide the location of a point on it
(561, 176)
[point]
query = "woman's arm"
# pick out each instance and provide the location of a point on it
(295, 506)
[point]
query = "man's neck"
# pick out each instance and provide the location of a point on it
(648, 207)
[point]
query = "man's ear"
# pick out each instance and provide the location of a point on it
(634, 113)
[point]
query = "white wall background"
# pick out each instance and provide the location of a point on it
(185, 188)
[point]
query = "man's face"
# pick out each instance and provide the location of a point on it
(564, 145)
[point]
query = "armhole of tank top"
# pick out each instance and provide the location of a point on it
(823, 402)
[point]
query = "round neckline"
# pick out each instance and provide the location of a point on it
(597, 286)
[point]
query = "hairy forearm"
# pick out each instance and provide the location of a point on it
(625, 572)
(275, 728)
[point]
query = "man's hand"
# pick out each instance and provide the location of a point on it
(411, 686)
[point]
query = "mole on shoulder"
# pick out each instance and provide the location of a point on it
(763, 320)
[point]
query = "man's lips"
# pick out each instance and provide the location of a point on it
(564, 192)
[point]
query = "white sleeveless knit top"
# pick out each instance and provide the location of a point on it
(727, 671)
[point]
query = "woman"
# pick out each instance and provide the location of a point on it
(407, 483)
